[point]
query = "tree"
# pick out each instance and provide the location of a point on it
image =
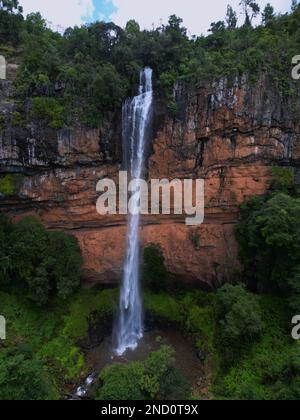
(38, 263)
(175, 24)
(11, 21)
(231, 18)
(283, 377)
(240, 320)
(121, 382)
(109, 89)
(23, 378)
(156, 377)
(283, 180)
(268, 14)
(251, 10)
(35, 24)
(294, 5)
(216, 27)
(156, 367)
(11, 6)
(48, 110)
(174, 386)
(132, 28)
(269, 238)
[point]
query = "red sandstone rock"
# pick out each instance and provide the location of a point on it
(229, 136)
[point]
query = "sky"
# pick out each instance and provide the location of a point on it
(196, 14)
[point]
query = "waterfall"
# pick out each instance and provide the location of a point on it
(137, 114)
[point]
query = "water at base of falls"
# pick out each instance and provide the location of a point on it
(137, 114)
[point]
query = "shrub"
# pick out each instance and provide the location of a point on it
(164, 306)
(121, 382)
(156, 367)
(65, 357)
(9, 184)
(49, 110)
(85, 304)
(156, 377)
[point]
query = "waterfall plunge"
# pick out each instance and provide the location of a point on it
(137, 114)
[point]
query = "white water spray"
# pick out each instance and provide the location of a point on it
(136, 123)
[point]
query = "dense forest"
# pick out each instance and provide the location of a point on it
(241, 331)
(86, 73)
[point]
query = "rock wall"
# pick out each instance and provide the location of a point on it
(230, 135)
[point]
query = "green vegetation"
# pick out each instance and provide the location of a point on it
(47, 315)
(11, 21)
(9, 184)
(121, 382)
(241, 321)
(245, 337)
(155, 378)
(49, 111)
(266, 365)
(192, 311)
(23, 378)
(48, 338)
(283, 180)
(270, 248)
(37, 263)
(251, 376)
(84, 75)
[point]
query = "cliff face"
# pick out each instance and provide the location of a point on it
(228, 135)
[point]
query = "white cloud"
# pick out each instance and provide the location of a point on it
(62, 13)
(197, 14)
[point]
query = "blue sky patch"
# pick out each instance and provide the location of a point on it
(103, 10)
